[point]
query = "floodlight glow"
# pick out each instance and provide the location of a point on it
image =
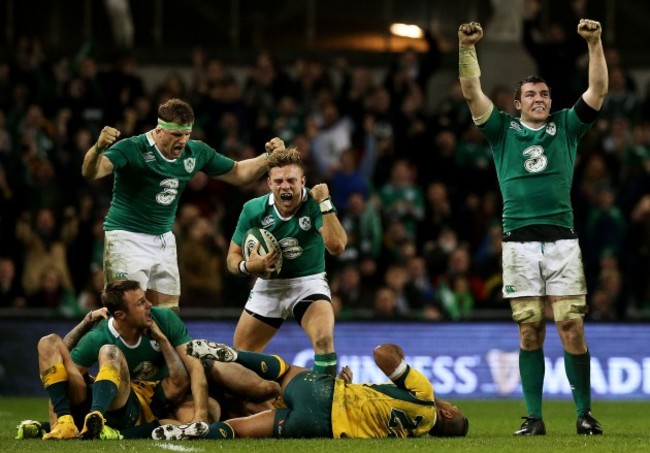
(406, 30)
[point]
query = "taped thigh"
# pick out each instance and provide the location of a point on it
(530, 309)
(566, 309)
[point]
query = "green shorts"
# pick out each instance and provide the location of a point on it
(309, 400)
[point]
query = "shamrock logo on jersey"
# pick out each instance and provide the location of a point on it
(189, 163)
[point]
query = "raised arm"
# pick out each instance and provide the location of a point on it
(250, 170)
(591, 31)
(470, 73)
(72, 338)
(96, 165)
(333, 233)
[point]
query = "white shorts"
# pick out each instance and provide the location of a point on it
(543, 269)
(148, 259)
(276, 298)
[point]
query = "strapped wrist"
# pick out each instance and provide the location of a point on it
(326, 206)
(243, 269)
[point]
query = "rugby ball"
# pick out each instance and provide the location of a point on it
(268, 243)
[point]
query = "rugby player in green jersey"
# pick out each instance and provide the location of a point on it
(142, 374)
(322, 406)
(534, 156)
(151, 172)
(305, 223)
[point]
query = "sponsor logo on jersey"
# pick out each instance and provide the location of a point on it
(305, 223)
(510, 289)
(515, 125)
(154, 345)
(536, 160)
(551, 128)
(291, 248)
(189, 163)
(149, 156)
(121, 275)
(268, 221)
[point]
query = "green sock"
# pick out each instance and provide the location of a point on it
(220, 430)
(269, 367)
(103, 393)
(531, 370)
(140, 431)
(578, 371)
(58, 394)
(325, 363)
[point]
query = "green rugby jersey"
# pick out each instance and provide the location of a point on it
(303, 248)
(145, 360)
(535, 167)
(147, 186)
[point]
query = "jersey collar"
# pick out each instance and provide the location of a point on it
(152, 144)
(116, 334)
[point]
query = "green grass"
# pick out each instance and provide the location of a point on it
(626, 424)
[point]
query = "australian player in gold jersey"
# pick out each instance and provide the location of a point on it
(319, 405)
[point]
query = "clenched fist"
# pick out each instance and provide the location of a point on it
(469, 34)
(107, 137)
(590, 30)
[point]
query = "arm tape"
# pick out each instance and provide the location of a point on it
(468, 62)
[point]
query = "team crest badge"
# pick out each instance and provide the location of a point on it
(305, 223)
(551, 128)
(189, 163)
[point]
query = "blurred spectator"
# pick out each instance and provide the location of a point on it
(362, 223)
(401, 198)
(637, 257)
(90, 297)
(456, 298)
(51, 293)
(409, 300)
(11, 292)
(330, 139)
(355, 171)
(487, 262)
(460, 265)
(201, 262)
(385, 304)
(45, 248)
(438, 214)
(604, 232)
(353, 295)
(621, 101)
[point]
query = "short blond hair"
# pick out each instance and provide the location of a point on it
(284, 157)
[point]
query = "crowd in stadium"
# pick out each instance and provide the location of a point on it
(414, 185)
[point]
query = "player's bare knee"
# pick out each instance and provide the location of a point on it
(48, 344)
(531, 335)
(111, 354)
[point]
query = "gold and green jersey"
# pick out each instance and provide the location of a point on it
(303, 248)
(535, 167)
(375, 411)
(147, 185)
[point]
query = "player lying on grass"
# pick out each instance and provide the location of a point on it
(144, 372)
(322, 406)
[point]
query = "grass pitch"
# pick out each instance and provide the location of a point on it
(626, 425)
